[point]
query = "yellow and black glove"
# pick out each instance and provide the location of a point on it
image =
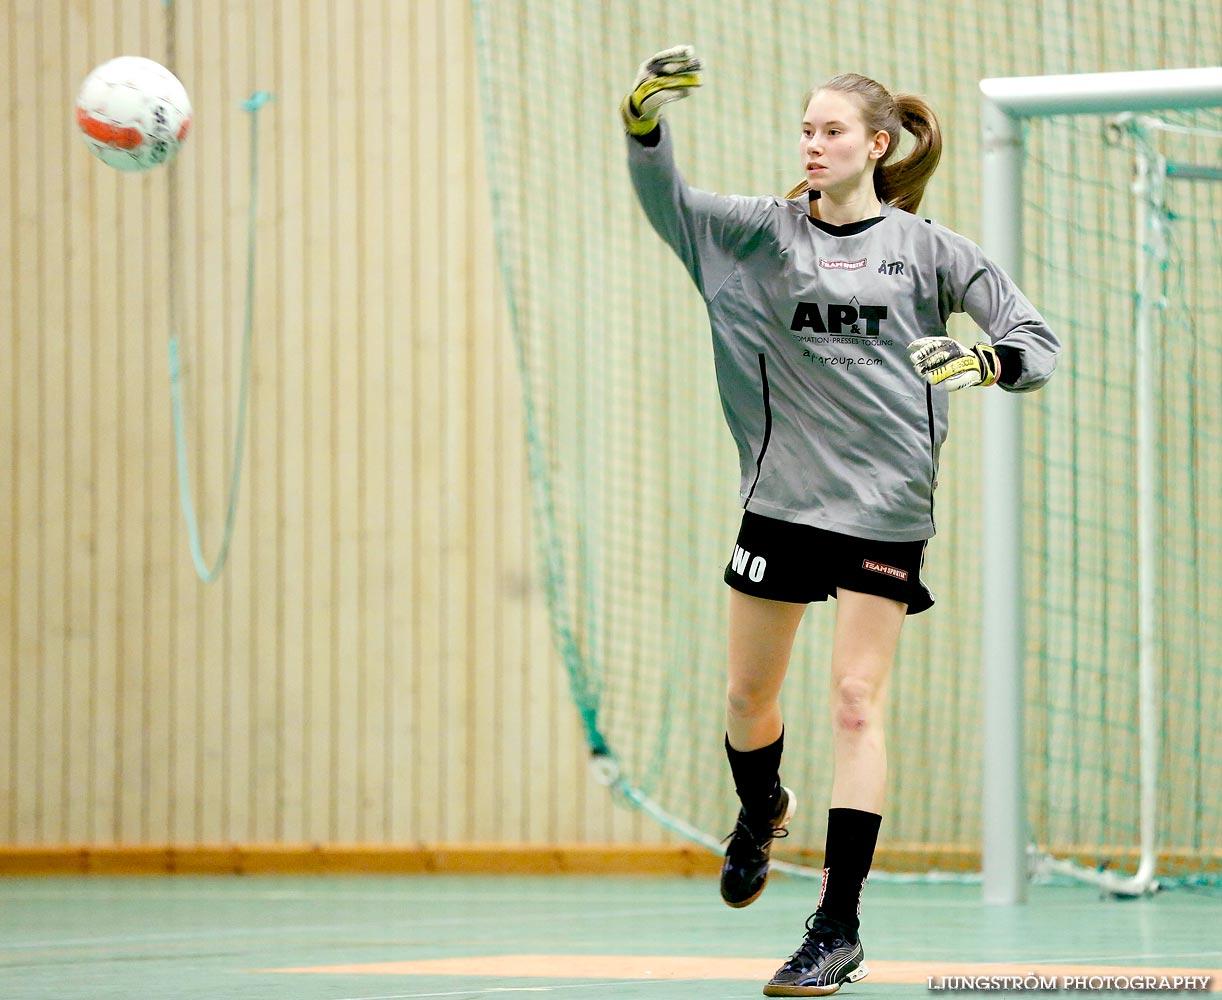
(945, 362)
(668, 76)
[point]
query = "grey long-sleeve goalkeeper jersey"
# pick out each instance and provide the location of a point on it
(810, 328)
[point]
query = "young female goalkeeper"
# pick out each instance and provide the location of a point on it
(828, 311)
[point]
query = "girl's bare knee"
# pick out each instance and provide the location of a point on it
(853, 704)
(748, 703)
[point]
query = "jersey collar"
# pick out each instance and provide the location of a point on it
(851, 229)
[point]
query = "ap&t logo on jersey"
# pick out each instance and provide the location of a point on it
(837, 318)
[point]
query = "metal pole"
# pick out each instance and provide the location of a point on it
(1003, 652)
(1098, 93)
(1150, 244)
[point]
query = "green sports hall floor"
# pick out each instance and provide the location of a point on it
(366, 937)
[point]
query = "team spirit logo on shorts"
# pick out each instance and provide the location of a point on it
(884, 569)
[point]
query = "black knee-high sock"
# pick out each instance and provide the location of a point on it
(849, 852)
(757, 776)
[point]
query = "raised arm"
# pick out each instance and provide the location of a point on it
(708, 231)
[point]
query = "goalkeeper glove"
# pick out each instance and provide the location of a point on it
(950, 364)
(665, 77)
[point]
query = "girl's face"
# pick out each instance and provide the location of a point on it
(837, 153)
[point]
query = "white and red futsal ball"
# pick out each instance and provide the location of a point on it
(133, 113)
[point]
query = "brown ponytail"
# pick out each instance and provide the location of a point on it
(902, 183)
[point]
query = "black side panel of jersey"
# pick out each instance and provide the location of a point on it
(933, 450)
(759, 462)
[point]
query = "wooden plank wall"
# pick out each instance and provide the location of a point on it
(375, 663)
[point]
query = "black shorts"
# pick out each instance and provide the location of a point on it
(784, 561)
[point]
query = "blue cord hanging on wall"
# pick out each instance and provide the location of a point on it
(207, 573)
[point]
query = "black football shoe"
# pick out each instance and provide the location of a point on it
(826, 961)
(744, 873)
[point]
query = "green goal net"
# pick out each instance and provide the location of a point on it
(635, 476)
(1124, 220)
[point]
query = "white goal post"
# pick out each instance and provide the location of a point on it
(1006, 103)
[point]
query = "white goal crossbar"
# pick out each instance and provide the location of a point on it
(1006, 103)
